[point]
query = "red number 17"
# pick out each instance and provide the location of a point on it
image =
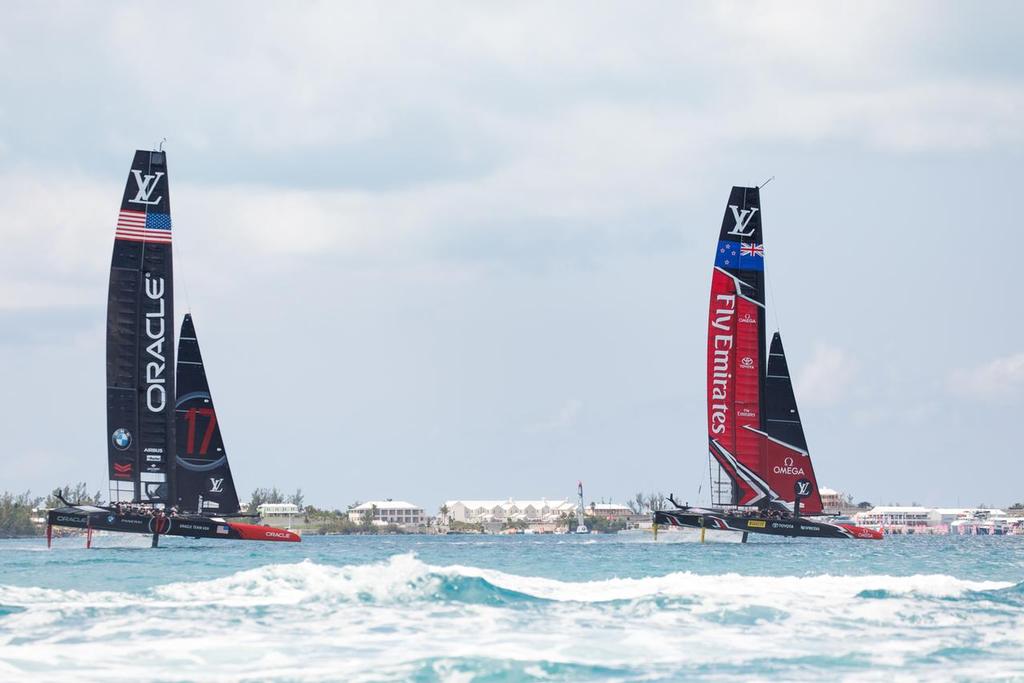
(190, 417)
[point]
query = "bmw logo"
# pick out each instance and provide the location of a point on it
(110, 519)
(121, 439)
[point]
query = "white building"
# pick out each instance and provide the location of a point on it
(388, 512)
(889, 516)
(610, 511)
(482, 511)
(898, 516)
(277, 510)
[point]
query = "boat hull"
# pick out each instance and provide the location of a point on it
(191, 526)
(705, 518)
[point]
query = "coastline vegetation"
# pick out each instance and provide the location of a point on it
(16, 509)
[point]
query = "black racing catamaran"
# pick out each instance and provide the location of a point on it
(167, 466)
(761, 476)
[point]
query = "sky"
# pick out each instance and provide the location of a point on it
(463, 250)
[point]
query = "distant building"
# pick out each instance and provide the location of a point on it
(885, 516)
(831, 500)
(899, 518)
(484, 511)
(388, 512)
(610, 511)
(277, 510)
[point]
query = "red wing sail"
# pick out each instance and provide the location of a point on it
(736, 342)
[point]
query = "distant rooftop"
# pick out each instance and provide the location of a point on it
(389, 504)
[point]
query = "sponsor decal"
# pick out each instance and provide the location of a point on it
(156, 393)
(276, 534)
(748, 319)
(745, 412)
(782, 525)
(121, 438)
(122, 470)
(755, 524)
(802, 488)
(742, 219)
(221, 529)
(110, 519)
(747, 363)
(154, 458)
(67, 518)
(809, 528)
(721, 349)
(792, 470)
(147, 183)
(216, 484)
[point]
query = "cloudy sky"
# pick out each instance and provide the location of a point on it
(446, 250)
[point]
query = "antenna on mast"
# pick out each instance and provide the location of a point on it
(161, 147)
(765, 182)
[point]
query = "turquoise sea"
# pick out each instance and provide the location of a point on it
(523, 608)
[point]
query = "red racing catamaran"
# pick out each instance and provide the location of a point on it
(762, 480)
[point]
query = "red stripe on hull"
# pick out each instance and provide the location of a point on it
(861, 532)
(255, 532)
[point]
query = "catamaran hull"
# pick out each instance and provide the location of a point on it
(800, 526)
(100, 519)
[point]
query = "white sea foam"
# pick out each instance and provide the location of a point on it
(391, 620)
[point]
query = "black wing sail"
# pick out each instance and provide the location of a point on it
(203, 477)
(783, 418)
(140, 339)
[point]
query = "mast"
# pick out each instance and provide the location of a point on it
(203, 477)
(140, 339)
(581, 525)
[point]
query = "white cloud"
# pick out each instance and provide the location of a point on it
(826, 378)
(996, 379)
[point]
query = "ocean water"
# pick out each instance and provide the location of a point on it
(524, 608)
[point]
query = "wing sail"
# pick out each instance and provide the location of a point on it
(736, 346)
(203, 476)
(140, 339)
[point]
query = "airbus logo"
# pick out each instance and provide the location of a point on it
(146, 185)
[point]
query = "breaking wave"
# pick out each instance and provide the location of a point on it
(405, 619)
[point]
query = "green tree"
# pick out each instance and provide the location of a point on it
(16, 515)
(261, 496)
(368, 516)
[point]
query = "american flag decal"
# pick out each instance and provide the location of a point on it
(751, 249)
(138, 226)
(221, 529)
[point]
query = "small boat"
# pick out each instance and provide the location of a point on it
(167, 467)
(762, 480)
